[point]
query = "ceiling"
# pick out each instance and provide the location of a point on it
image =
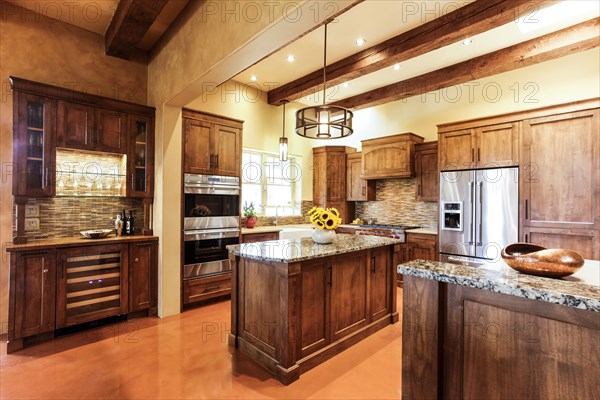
(378, 20)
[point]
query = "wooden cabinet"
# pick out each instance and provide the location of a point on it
(259, 237)
(85, 127)
(143, 277)
(196, 290)
(329, 179)
(32, 296)
(389, 156)
(421, 246)
(212, 145)
(357, 189)
(140, 156)
(487, 146)
(427, 174)
(584, 241)
(33, 145)
(314, 308)
(92, 283)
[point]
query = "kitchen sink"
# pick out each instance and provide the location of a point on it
(295, 232)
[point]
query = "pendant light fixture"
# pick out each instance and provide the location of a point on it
(324, 122)
(283, 141)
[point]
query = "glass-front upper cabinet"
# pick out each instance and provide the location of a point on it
(34, 145)
(141, 156)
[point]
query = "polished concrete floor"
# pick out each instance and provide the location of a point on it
(187, 357)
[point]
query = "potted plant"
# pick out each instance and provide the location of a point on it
(325, 222)
(250, 214)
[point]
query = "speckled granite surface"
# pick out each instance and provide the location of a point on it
(288, 251)
(580, 290)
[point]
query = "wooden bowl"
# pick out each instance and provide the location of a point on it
(96, 233)
(537, 260)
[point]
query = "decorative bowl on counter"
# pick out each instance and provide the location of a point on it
(96, 233)
(537, 260)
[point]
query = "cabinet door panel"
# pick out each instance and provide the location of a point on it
(315, 332)
(319, 179)
(227, 150)
(457, 150)
(110, 131)
(380, 288)
(562, 163)
(197, 148)
(498, 146)
(142, 276)
(348, 295)
(140, 158)
(35, 293)
(75, 126)
(426, 168)
(585, 242)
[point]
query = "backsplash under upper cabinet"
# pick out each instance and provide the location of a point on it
(395, 204)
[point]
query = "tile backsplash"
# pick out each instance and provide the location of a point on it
(395, 204)
(297, 219)
(62, 217)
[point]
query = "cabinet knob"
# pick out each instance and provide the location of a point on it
(136, 259)
(46, 270)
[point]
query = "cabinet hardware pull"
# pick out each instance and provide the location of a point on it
(136, 259)
(216, 161)
(212, 288)
(373, 264)
(46, 270)
(526, 238)
(60, 268)
(478, 154)
(472, 154)
(330, 275)
(364, 190)
(526, 209)
(419, 190)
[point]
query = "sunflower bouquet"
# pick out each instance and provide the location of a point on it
(322, 218)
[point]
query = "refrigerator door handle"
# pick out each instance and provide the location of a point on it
(472, 201)
(480, 207)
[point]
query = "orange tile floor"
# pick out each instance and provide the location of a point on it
(186, 357)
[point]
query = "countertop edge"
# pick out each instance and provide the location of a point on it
(75, 242)
(527, 291)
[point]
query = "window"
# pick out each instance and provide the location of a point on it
(272, 185)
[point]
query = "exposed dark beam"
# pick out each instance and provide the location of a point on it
(577, 38)
(130, 23)
(467, 21)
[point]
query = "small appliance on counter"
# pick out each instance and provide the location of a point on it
(479, 214)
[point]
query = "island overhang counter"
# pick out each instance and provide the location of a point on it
(492, 332)
(295, 303)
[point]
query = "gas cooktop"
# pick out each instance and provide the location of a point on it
(385, 226)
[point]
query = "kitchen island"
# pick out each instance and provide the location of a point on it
(295, 303)
(491, 332)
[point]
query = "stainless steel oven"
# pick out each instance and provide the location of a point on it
(211, 222)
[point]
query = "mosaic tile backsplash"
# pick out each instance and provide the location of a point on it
(395, 204)
(62, 217)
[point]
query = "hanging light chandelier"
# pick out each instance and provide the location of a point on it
(324, 122)
(283, 141)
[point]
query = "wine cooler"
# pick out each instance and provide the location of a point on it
(92, 284)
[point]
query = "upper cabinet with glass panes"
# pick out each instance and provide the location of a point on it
(274, 186)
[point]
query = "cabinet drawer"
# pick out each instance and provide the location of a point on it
(195, 290)
(259, 237)
(421, 239)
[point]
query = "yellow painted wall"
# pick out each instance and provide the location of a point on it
(37, 48)
(570, 78)
(262, 123)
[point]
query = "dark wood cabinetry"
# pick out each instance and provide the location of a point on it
(329, 180)
(357, 189)
(259, 237)
(389, 156)
(53, 287)
(418, 246)
(426, 169)
(486, 146)
(33, 295)
(212, 145)
(143, 277)
(380, 295)
(85, 127)
(140, 156)
(200, 289)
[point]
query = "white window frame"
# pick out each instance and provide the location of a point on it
(264, 209)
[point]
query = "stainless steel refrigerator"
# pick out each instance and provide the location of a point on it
(479, 214)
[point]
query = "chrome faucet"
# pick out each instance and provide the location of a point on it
(277, 215)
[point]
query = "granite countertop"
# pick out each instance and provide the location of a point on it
(580, 290)
(287, 251)
(76, 241)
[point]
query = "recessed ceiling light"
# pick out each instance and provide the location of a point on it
(397, 67)
(291, 58)
(253, 78)
(345, 84)
(467, 41)
(360, 41)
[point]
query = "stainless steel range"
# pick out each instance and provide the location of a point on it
(390, 231)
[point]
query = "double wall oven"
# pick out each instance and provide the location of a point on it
(211, 222)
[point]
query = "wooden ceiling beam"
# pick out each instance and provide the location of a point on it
(571, 40)
(130, 23)
(472, 19)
